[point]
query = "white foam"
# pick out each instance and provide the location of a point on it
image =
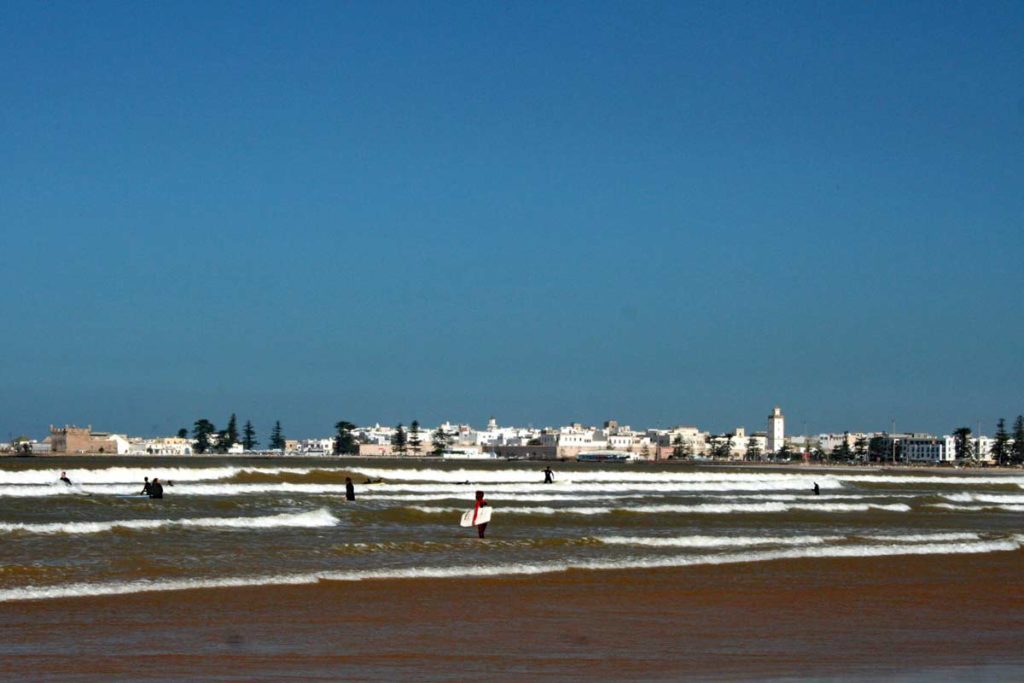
(815, 552)
(978, 508)
(737, 480)
(522, 497)
(924, 538)
(114, 475)
(931, 479)
(853, 507)
(786, 497)
(711, 508)
(37, 491)
(313, 519)
(716, 541)
(134, 475)
(789, 480)
(699, 508)
(1009, 499)
(178, 488)
(595, 487)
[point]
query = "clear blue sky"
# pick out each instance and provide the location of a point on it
(657, 212)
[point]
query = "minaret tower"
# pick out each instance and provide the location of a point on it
(776, 430)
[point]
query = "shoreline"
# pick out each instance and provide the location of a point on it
(789, 618)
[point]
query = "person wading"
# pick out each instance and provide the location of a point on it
(480, 502)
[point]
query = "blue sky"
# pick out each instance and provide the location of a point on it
(662, 213)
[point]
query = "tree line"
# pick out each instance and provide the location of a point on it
(411, 441)
(209, 440)
(1007, 446)
(403, 441)
(1004, 452)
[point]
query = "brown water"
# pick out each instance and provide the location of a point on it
(613, 573)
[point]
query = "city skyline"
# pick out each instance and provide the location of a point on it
(549, 213)
(793, 429)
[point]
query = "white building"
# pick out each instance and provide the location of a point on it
(170, 445)
(924, 448)
(776, 431)
(692, 439)
(498, 436)
(324, 446)
(830, 442)
(983, 448)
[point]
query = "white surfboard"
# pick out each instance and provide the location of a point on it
(483, 516)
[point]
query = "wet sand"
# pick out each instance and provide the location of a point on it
(865, 618)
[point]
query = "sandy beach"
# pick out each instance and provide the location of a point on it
(916, 617)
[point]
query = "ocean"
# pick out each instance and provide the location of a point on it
(226, 526)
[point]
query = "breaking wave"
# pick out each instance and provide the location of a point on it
(316, 518)
(983, 498)
(809, 552)
(716, 541)
(978, 508)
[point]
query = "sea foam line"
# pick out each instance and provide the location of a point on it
(978, 508)
(577, 486)
(922, 538)
(812, 552)
(745, 541)
(700, 508)
(124, 475)
(716, 541)
(1008, 499)
(191, 489)
(826, 480)
(202, 488)
(619, 476)
(313, 519)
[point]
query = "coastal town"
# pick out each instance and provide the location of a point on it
(611, 441)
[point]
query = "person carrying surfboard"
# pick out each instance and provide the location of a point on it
(480, 502)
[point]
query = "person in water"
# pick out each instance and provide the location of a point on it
(64, 478)
(350, 489)
(549, 476)
(146, 487)
(817, 489)
(481, 529)
(156, 489)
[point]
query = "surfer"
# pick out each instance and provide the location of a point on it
(64, 478)
(156, 489)
(817, 489)
(350, 489)
(146, 487)
(549, 476)
(480, 502)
